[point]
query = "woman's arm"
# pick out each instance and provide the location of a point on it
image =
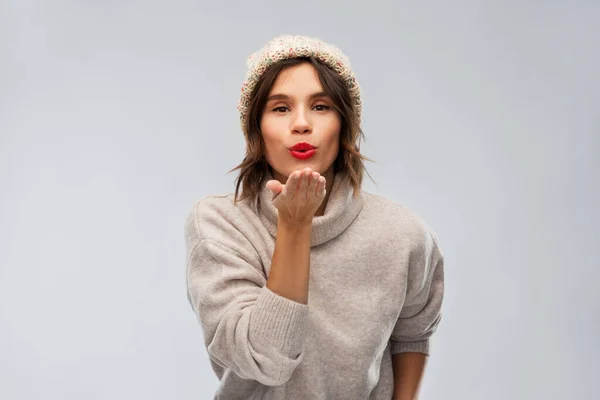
(408, 374)
(419, 318)
(247, 327)
(290, 266)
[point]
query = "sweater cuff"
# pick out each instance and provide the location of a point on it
(278, 322)
(421, 346)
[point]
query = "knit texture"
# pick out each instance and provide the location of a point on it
(376, 287)
(291, 46)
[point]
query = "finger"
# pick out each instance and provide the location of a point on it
(321, 185)
(276, 194)
(274, 186)
(309, 171)
(312, 183)
(291, 185)
(304, 183)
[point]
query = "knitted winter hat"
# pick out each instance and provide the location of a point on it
(291, 46)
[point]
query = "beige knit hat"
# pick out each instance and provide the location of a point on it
(291, 46)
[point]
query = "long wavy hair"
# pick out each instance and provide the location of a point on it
(254, 167)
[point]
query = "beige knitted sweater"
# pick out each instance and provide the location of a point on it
(376, 288)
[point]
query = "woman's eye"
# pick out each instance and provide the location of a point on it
(319, 107)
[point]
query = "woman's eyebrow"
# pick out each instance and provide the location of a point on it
(282, 96)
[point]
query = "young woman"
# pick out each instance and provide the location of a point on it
(307, 286)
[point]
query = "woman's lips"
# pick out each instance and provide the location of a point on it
(303, 155)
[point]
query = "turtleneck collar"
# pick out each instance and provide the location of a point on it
(342, 208)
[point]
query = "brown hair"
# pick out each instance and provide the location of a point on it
(254, 167)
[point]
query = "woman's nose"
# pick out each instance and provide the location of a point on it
(301, 122)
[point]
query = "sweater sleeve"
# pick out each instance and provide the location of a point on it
(247, 327)
(421, 312)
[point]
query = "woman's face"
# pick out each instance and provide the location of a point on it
(297, 110)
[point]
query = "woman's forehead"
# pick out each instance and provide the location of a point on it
(297, 82)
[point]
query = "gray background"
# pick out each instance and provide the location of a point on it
(483, 117)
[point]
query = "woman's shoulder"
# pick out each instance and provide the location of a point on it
(397, 216)
(216, 217)
(222, 204)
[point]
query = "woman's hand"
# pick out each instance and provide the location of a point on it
(300, 197)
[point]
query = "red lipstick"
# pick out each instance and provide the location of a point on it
(303, 150)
